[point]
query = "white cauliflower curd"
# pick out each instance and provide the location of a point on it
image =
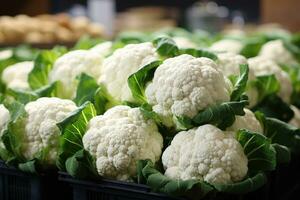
(103, 48)
(261, 65)
(230, 65)
(185, 85)
(121, 64)
(276, 51)
(205, 153)
(16, 75)
(119, 138)
(248, 121)
(227, 45)
(67, 67)
(295, 121)
(183, 42)
(40, 131)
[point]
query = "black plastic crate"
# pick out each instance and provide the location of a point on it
(17, 185)
(105, 189)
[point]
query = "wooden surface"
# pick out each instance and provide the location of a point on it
(285, 12)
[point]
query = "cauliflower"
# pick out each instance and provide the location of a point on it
(5, 54)
(295, 121)
(229, 45)
(276, 51)
(119, 138)
(248, 121)
(230, 65)
(4, 119)
(40, 129)
(184, 85)
(121, 64)
(264, 66)
(67, 67)
(103, 48)
(205, 153)
(16, 75)
(183, 42)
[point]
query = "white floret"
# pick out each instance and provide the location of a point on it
(5, 54)
(103, 48)
(230, 65)
(16, 75)
(248, 121)
(227, 45)
(264, 66)
(4, 119)
(184, 85)
(205, 153)
(183, 42)
(276, 51)
(121, 64)
(119, 138)
(67, 67)
(295, 121)
(41, 131)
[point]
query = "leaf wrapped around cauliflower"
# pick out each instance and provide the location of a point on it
(186, 91)
(208, 159)
(32, 136)
(115, 140)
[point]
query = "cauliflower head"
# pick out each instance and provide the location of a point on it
(40, 130)
(248, 121)
(183, 42)
(184, 85)
(16, 75)
(121, 64)
(265, 66)
(4, 119)
(205, 153)
(295, 121)
(227, 45)
(5, 54)
(230, 65)
(67, 67)
(119, 138)
(276, 51)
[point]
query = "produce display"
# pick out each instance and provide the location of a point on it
(188, 114)
(59, 28)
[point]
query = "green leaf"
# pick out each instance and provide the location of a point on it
(259, 151)
(293, 49)
(72, 130)
(283, 153)
(294, 73)
(273, 106)
(160, 183)
(280, 132)
(22, 96)
(29, 167)
(82, 165)
(221, 115)
(43, 64)
(241, 83)
(89, 90)
(249, 184)
(87, 42)
(137, 82)
(86, 89)
(49, 90)
(166, 47)
(266, 85)
(199, 53)
(252, 46)
(13, 135)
